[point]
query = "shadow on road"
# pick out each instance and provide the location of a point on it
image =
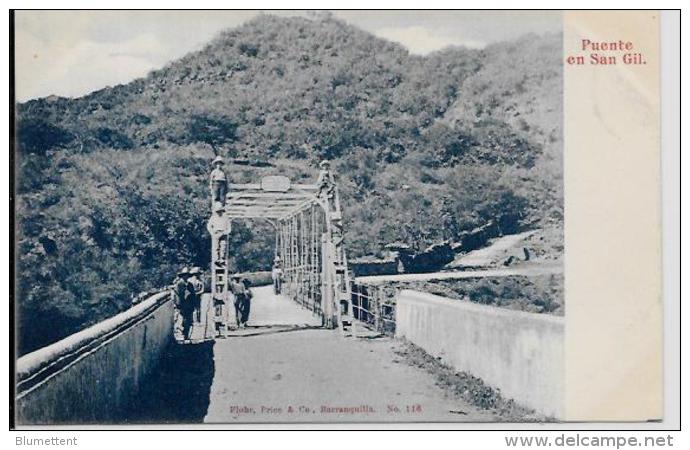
(261, 330)
(179, 392)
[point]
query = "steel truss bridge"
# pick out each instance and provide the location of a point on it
(308, 223)
(126, 369)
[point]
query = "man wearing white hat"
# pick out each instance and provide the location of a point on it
(198, 286)
(219, 182)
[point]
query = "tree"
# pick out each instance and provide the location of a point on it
(214, 131)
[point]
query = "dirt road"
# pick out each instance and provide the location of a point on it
(484, 273)
(284, 369)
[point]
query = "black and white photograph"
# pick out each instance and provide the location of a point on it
(289, 217)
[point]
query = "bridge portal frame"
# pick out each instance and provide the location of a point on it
(308, 222)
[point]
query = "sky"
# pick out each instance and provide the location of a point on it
(72, 53)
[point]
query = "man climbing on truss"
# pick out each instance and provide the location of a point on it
(219, 182)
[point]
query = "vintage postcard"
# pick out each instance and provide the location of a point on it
(336, 217)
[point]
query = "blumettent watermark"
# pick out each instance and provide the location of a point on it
(51, 441)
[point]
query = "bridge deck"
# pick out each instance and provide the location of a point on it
(268, 314)
(285, 360)
(281, 361)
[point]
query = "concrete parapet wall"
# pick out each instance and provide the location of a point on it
(93, 376)
(521, 354)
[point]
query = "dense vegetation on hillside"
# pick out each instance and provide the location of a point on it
(112, 187)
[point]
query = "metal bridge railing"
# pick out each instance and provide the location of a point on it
(302, 285)
(374, 306)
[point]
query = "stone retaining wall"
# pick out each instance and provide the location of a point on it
(519, 353)
(92, 376)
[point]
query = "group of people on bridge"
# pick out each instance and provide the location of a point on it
(188, 288)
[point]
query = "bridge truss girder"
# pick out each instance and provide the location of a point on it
(309, 240)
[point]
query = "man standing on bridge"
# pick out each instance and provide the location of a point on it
(242, 302)
(183, 300)
(219, 182)
(198, 287)
(277, 275)
(326, 180)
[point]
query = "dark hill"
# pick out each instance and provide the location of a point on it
(112, 187)
(261, 90)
